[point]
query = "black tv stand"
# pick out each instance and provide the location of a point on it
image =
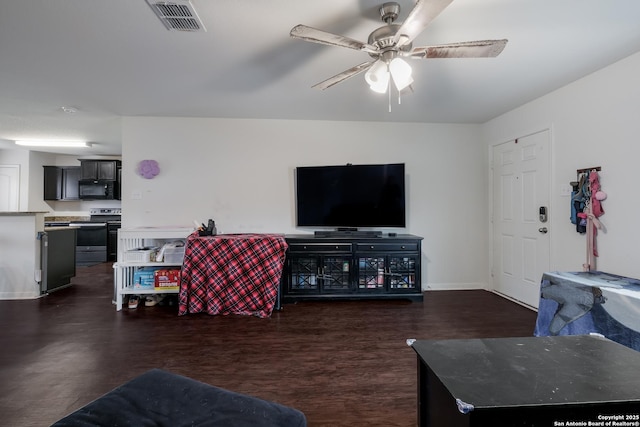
(352, 267)
(347, 232)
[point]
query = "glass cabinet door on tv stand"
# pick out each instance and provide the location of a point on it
(387, 273)
(319, 274)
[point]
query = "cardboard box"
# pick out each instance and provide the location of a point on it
(144, 278)
(167, 280)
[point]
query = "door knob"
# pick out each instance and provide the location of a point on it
(543, 230)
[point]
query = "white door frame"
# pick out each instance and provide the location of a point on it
(13, 196)
(552, 207)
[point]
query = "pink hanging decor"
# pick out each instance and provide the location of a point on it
(593, 210)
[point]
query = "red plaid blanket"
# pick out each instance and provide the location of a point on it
(231, 274)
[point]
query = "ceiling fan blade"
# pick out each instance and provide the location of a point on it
(422, 14)
(354, 71)
(475, 49)
(314, 35)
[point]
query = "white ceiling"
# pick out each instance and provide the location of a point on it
(115, 58)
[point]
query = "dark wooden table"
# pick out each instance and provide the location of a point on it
(532, 381)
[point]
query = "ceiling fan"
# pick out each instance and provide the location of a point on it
(389, 44)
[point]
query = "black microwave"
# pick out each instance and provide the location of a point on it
(98, 190)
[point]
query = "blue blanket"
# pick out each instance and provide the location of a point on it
(577, 303)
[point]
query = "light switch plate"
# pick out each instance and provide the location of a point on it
(565, 190)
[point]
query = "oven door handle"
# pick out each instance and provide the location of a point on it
(93, 224)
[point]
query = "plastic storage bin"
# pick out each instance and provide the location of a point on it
(140, 255)
(174, 255)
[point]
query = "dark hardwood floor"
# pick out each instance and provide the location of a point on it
(341, 363)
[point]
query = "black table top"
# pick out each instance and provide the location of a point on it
(534, 371)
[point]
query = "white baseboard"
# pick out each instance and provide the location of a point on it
(454, 286)
(18, 295)
(530, 307)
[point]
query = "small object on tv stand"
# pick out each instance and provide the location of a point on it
(347, 232)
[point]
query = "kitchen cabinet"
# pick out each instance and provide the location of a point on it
(352, 268)
(70, 178)
(105, 170)
(61, 182)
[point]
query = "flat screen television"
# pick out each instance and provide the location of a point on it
(351, 196)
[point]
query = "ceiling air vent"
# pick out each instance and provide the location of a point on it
(177, 15)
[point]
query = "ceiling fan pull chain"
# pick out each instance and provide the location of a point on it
(389, 92)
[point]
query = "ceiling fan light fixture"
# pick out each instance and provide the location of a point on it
(387, 44)
(378, 77)
(380, 87)
(401, 73)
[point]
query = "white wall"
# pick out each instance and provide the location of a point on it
(595, 121)
(20, 158)
(19, 255)
(240, 173)
(31, 176)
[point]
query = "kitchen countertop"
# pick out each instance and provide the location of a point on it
(21, 213)
(62, 227)
(65, 218)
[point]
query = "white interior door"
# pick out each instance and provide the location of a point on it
(520, 237)
(9, 187)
